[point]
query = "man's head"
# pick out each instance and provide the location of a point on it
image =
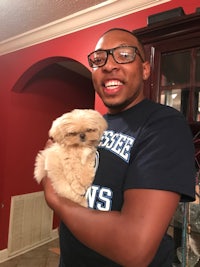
(119, 69)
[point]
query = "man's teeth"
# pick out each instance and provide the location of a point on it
(112, 84)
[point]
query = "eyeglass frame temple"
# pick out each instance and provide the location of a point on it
(138, 53)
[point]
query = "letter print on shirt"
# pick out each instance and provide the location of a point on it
(99, 198)
(118, 143)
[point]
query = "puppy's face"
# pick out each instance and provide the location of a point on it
(81, 127)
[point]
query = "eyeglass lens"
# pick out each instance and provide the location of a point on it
(122, 55)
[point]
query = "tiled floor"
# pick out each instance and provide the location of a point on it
(43, 256)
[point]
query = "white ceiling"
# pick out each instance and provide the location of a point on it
(20, 16)
(27, 22)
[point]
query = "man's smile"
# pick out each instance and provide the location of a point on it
(112, 86)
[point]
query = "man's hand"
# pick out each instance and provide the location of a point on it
(51, 196)
(54, 201)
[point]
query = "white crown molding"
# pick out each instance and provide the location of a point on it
(95, 15)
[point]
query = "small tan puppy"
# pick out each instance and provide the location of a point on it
(70, 161)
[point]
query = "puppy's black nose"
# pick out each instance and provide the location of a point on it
(82, 136)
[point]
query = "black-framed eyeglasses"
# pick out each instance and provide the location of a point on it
(121, 55)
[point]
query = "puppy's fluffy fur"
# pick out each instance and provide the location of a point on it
(70, 161)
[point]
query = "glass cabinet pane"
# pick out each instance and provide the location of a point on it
(196, 108)
(187, 250)
(176, 98)
(197, 73)
(175, 68)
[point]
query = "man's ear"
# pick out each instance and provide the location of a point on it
(146, 70)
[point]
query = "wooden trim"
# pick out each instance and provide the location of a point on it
(167, 29)
(95, 15)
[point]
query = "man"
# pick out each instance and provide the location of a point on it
(146, 166)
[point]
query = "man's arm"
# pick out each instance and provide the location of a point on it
(130, 237)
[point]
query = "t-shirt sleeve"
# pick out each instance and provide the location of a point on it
(163, 157)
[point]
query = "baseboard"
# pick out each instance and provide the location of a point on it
(54, 233)
(4, 255)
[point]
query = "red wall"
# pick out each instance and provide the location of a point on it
(25, 116)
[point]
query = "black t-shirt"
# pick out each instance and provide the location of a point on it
(148, 146)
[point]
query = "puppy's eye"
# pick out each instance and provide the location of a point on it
(90, 130)
(71, 134)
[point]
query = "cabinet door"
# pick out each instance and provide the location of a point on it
(173, 49)
(178, 82)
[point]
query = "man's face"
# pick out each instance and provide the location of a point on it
(120, 86)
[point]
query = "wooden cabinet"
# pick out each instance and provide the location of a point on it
(173, 49)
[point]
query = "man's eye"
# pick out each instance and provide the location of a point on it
(124, 55)
(98, 60)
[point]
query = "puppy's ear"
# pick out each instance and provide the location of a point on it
(102, 124)
(54, 132)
